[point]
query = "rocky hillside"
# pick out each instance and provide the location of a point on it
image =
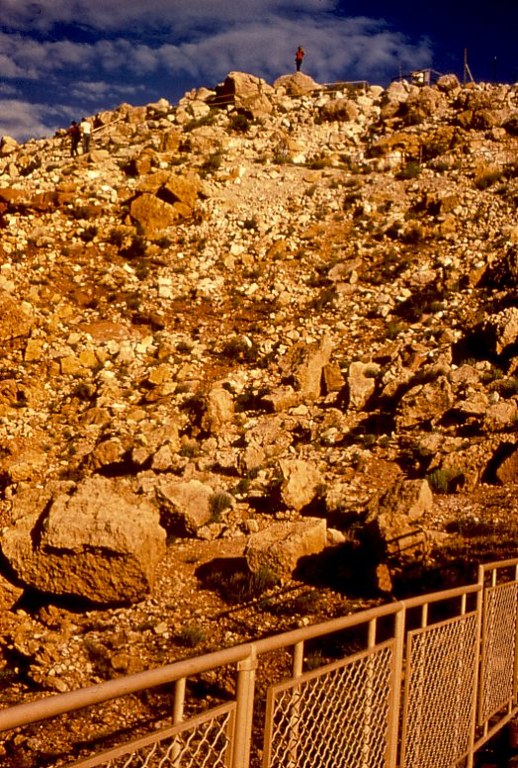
(277, 323)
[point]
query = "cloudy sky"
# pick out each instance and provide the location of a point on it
(62, 59)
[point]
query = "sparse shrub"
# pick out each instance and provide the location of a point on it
(315, 660)
(325, 298)
(410, 170)
(319, 163)
(116, 237)
(191, 635)
(239, 123)
(212, 163)
(394, 328)
(445, 480)
(239, 348)
(218, 503)
(241, 586)
(251, 224)
(141, 269)
(368, 441)
(89, 233)
(507, 387)
(135, 249)
(199, 122)
(189, 449)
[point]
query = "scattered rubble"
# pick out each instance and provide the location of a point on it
(266, 309)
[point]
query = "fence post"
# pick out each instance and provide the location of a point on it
(294, 726)
(244, 710)
(396, 692)
(178, 710)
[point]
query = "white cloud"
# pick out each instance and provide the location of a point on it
(23, 120)
(334, 47)
(161, 43)
(175, 14)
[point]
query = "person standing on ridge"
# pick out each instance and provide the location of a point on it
(299, 55)
(75, 136)
(86, 134)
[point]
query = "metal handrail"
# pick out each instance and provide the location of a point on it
(474, 640)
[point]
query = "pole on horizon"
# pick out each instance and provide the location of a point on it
(467, 71)
(494, 68)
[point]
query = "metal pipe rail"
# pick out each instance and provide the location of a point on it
(418, 683)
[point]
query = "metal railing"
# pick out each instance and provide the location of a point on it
(419, 683)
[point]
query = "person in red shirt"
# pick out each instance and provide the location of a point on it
(299, 55)
(74, 133)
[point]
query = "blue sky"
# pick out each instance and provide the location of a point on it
(62, 59)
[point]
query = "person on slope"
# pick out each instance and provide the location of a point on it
(299, 56)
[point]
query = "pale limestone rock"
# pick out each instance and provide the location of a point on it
(393, 519)
(15, 323)
(219, 410)
(297, 84)
(185, 506)
(280, 547)
(96, 541)
(424, 403)
(152, 215)
(501, 330)
(304, 364)
(246, 92)
(507, 471)
(361, 383)
(300, 483)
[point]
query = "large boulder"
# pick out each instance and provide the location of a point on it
(151, 215)
(96, 541)
(15, 323)
(246, 92)
(302, 367)
(300, 483)
(186, 506)
(501, 331)
(297, 84)
(424, 404)
(394, 515)
(280, 547)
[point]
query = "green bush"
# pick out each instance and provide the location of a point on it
(410, 170)
(212, 163)
(190, 636)
(445, 480)
(239, 123)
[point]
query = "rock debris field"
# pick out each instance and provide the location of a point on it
(259, 368)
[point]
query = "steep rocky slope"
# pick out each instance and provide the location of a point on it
(260, 332)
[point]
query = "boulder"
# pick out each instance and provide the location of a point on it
(218, 410)
(343, 110)
(280, 547)
(424, 403)
(185, 507)
(152, 215)
(245, 92)
(300, 482)
(8, 145)
(507, 472)
(361, 383)
(297, 84)
(15, 323)
(303, 365)
(393, 518)
(501, 331)
(95, 541)
(448, 83)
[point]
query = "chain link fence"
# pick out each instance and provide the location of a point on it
(420, 683)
